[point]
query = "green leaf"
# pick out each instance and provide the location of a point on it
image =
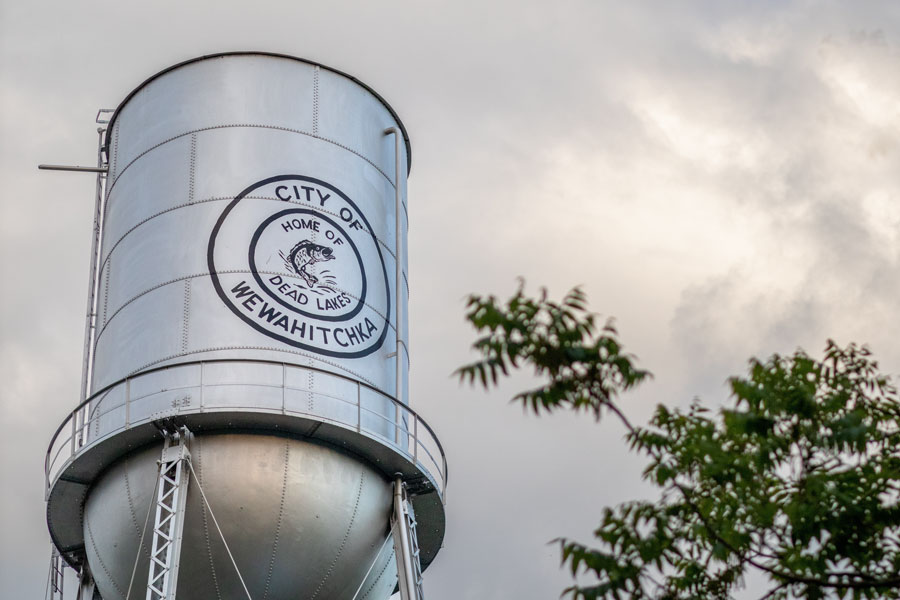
(796, 479)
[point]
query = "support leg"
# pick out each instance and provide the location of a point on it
(168, 525)
(406, 545)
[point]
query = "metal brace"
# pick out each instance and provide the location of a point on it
(168, 526)
(406, 545)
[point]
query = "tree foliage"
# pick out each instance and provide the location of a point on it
(799, 478)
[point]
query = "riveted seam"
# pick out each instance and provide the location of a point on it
(334, 562)
(287, 458)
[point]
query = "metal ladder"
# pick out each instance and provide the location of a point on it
(56, 583)
(171, 496)
(406, 545)
(56, 577)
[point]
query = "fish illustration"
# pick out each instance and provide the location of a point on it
(306, 254)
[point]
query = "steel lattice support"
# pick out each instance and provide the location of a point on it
(406, 545)
(168, 525)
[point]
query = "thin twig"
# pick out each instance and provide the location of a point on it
(867, 581)
(774, 590)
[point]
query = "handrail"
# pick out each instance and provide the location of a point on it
(81, 412)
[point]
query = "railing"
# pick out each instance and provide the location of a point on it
(253, 386)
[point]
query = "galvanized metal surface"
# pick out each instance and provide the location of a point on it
(75, 168)
(194, 160)
(303, 521)
(251, 277)
(246, 386)
(115, 112)
(406, 545)
(245, 395)
(168, 524)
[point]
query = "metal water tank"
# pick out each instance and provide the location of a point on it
(246, 306)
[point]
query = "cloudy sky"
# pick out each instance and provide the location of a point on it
(721, 177)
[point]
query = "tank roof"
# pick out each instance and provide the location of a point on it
(122, 104)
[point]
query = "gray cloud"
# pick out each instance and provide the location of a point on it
(721, 177)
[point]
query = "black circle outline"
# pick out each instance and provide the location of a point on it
(362, 270)
(218, 286)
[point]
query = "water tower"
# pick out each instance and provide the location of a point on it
(244, 429)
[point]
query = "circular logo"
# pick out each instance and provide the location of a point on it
(325, 277)
(296, 259)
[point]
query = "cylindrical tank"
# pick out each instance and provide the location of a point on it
(247, 290)
(250, 214)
